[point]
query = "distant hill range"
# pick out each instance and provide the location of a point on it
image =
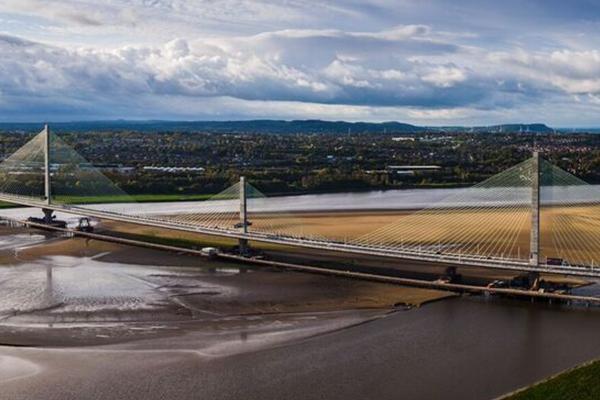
(268, 126)
(525, 128)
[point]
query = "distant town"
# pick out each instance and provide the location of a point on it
(203, 158)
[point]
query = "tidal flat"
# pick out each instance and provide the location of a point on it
(74, 292)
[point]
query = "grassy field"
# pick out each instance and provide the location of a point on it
(581, 383)
(140, 198)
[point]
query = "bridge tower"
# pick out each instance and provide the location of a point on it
(47, 193)
(534, 245)
(47, 188)
(243, 243)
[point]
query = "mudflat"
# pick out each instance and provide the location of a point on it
(73, 292)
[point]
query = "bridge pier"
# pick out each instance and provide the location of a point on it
(533, 280)
(243, 247)
(451, 274)
(48, 217)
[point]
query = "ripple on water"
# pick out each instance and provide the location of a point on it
(19, 240)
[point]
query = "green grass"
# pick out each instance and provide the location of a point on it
(173, 241)
(581, 383)
(140, 198)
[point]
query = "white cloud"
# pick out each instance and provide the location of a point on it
(136, 57)
(574, 72)
(270, 66)
(445, 76)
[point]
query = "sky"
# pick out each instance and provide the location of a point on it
(427, 62)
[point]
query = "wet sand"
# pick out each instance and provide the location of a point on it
(73, 292)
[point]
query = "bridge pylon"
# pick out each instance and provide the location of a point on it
(243, 243)
(534, 245)
(533, 277)
(47, 188)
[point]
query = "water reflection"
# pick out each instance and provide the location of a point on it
(49, 292)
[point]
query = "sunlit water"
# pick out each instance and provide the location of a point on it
(409, 199)
(63, 284)
(73, 284)
(20, 240)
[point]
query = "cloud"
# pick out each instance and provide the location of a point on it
(445, 76)
(301, 66)
(81, 19)
(121, 58)
(68, 11)
(573, 72)
(273, 66)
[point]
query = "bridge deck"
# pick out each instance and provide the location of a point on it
(411, 253)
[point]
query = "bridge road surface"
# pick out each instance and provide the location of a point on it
(399, 253)
(453, 349)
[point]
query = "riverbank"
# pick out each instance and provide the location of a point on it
(579, 383)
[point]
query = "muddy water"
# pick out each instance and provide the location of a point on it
(454, 349)
(465, 348)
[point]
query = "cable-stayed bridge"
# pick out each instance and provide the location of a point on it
(533, 217)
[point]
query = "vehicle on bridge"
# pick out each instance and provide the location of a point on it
(56, 223)
(84, 225)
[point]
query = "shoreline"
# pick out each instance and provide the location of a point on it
(547, 380)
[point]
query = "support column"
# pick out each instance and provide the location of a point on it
(243, 243)
(534, 246)
(47, 191)
(48, 217)
(533, 280)
(452, 275)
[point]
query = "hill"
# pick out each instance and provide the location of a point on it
(267, 126)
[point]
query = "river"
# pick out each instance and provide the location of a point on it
(409, 199)
(461, 348)
(454, 349)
